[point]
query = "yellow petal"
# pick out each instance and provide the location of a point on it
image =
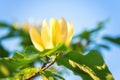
(55, 31)
(70, 33)
(39, 26)
(36, 39)
(63, 29)
(46, 35)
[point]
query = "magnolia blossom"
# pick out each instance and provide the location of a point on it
(50, 35)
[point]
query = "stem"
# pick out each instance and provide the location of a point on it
(48, 65)
(43, 68)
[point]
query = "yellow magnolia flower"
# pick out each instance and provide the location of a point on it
(47, 36)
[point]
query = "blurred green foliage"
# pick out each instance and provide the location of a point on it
(81, 58)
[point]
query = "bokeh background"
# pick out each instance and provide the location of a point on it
(83, 14)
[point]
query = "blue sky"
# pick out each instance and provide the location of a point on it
(83, 14)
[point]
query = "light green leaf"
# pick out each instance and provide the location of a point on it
(60, 48)
(22, 74)
(47, 75)
(31, 52)
(25, 73)
(17, 62)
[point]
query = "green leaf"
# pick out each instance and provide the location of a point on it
(115, 40)
(4, 71)
(18, 55)
(103, 46)
(3, 24)
(3, 52)
(14, 64)
(100, 26)
(24, 59)
(58, 76)
(25, 73)
(59, 48)
(47, 75)
(65, 62)
(17, 62)
(31, 52)
(85, 34)
(22, 74)
(89, 67)
(78, 47)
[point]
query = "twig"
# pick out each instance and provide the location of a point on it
(43, 68)
(48, 65)
(43, 65)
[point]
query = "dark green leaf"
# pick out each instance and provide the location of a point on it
(98, 28)
(104, 46)
(78, 47)
(3, 52)
(58, 76)
(3, 24)
(89, 67)
(47, 75)
(115, 40)
(85, 34)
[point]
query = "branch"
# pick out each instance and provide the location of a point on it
(48, 65)
(43, 68)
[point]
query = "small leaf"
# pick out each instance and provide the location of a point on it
(47, 75)
(85, 34)
(115, 40)
(4, 70)
(58, 76)
(25, 73)
(3, 24)
(104, 46)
